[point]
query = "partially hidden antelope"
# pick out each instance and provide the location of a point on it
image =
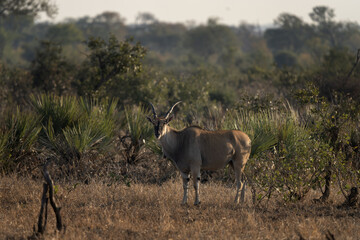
(193, 149)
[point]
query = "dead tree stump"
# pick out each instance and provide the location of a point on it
(48, 195)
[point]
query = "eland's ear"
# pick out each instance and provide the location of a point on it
(149, 119)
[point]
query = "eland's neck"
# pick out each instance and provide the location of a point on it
(168, 140)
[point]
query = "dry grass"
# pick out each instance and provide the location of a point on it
(150, 211)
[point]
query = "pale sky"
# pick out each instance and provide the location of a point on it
(230, 12)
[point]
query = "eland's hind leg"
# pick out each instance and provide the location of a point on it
(239, 166)
(243, 177)
(240, 185)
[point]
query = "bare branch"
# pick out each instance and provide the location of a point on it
(44, 202)
(51, 197)
(354, 66)
(339, 182)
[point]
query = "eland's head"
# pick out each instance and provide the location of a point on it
(159, 123)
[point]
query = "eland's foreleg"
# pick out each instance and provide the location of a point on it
(196, 180)
(185, 178)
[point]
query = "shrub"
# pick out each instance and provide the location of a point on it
(331, 123)
(259, 126)
(138, 133)
(284, 157)
(73, 127)
(17, 141)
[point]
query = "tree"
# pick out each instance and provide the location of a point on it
(102, 25)
(16, 18)
(285, 59)
(322, 14)
(212, 39)
(334, 74)
(111, 64)
(254, 46)
(51, 72)
(65, 33)
(288, 21)
(27, 7)
(248, 34)
(14, 31)
(291, 34)
(326, 27)
(158, 36)
(146, 18)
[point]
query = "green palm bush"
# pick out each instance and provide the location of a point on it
(17, 141)
(95, 130)
(63, 111)
(260, 127)
(139, 133)
(72, 127)
(154, 146)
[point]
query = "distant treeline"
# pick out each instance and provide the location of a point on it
(166, 62)
(291, 42)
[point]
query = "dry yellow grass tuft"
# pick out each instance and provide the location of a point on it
(149, 211)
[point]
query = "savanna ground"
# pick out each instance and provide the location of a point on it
(99, 210)
(81, 97)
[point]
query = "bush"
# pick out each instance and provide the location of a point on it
(72, 127)
(138, 133)
(284, 157)
(17, 141)
(332, 124)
